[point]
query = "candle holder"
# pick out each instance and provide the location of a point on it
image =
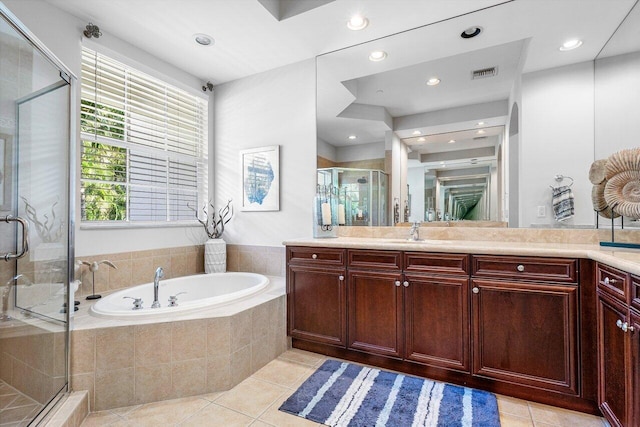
(325, 212)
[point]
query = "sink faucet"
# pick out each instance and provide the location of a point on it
(156, 282)
(414, 233)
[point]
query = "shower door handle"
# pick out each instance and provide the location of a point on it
(25, 237)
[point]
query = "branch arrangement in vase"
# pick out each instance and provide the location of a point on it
(214, 224)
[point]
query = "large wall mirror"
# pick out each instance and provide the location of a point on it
(479, 128)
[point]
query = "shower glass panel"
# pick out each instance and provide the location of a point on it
(35, 176)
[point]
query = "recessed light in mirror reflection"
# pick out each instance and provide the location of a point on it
(377, 55)
(357, 22)
(433, 81)
(352, 137)
(571, 44)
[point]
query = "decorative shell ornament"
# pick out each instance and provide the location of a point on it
(622, 188)
(599, 203)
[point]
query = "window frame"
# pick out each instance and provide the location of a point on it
(198, 168)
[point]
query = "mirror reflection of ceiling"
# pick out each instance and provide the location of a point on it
(364, 98)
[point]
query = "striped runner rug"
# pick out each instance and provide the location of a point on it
(343, 394)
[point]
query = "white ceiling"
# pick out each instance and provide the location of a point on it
(248, 39)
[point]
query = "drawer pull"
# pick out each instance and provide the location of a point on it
(608, 281)
(475, 290)
(624, 326)
(520, 268)
(406, 284)
(314, 256)
(341, 278)
(397, 282)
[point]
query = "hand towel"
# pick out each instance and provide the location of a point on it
(562, 201)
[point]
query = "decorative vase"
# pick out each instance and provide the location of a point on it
(215, 256)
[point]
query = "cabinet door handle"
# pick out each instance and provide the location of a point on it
(520, 268)
(397, 282)
(406, 284)
(608, 281)
(341, 278)
(624, 326)
(314, 256)
(475, 290)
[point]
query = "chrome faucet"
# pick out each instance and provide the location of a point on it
(156, 282)
(414, 233)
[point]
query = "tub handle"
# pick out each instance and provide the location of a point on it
(173, 299)
(137, 302)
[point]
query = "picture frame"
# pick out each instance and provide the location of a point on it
(5, 172)
(260, 179)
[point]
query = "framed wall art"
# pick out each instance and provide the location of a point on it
(260, 179)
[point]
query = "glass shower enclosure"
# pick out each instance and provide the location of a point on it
(36, 224)
(363, 192)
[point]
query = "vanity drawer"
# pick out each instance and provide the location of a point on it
(424, 262)
(375, 260)
(612, 281)
(526, 268)
(302, 255)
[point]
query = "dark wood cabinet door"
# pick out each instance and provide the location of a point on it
(437, 321)
(526, 333)
(635, 368)
(375, 312)
(613, 361)
(316, 305)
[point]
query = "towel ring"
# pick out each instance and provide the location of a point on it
(559, 178)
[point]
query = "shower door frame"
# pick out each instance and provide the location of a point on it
(67, 75)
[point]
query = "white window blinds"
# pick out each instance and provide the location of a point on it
(144, 145)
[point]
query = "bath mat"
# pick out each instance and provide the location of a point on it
(343, 394)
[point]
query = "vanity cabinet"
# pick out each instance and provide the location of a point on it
(507, 324)
(317, 295)
(618, 346)
(525, 321)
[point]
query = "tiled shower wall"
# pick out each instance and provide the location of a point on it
(135, 268)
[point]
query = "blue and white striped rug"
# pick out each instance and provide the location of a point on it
(343, 394)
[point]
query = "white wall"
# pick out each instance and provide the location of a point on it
(556, 137)
(617, 107)
(276, 107)
(62, 34)
(415, 179)
(327, 150)
(351, 153)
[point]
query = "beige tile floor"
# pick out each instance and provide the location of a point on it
(16, 409)
(255, 401)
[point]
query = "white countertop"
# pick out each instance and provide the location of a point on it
(623, 259)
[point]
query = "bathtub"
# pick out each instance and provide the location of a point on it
(201, 291)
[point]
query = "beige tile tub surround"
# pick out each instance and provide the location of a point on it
(136, 268)
(137, 364)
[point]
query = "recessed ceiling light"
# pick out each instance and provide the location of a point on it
(379, 91)
(357, 22)
(571, 44)
(433, 81)
(417, 132)
(480, 132)
(352, 137)
(479, 123)
(471, 32)
(203, 39)
(421, 139)
(451, 141)
(377, 55)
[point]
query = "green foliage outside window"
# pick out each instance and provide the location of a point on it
(105, 200)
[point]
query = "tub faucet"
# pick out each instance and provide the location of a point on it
(414, 233)
(156, 282)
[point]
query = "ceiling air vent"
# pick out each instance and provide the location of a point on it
(484, 73)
